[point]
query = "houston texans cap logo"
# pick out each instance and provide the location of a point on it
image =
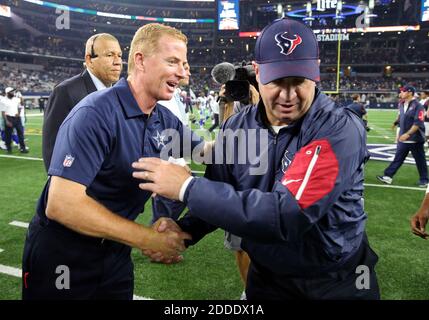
(286, 44)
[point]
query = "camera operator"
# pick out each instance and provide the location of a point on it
(238, 88)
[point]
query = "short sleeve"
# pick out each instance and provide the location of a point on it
(82, 144)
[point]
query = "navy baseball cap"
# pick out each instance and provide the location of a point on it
(287, 48)
(408, 88)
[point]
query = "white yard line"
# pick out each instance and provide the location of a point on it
(34, 115)
(23, 158)
(385, 137)
(141, 298)
(381, 130)
(19, 224)
(393, 187)
(1, 250)
(11, 271)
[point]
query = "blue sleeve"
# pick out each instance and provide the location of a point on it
(83, 142)
(321, 171)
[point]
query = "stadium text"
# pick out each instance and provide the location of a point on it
(333, 37)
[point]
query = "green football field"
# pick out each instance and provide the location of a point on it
(208, 270)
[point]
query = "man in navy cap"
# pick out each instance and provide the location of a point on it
(301, 218)
(411, 137)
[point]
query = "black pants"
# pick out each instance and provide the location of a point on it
(402, 151)
(61, 264)
(215, 122)
(263, 284)
(17, 124)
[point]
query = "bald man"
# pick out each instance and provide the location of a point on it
(103, 62)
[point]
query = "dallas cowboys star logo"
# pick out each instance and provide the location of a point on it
(159, 139)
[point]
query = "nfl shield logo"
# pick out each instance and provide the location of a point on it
(68, 161)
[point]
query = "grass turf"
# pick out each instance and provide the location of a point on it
(209, 271)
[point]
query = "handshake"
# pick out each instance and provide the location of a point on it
(166, 243)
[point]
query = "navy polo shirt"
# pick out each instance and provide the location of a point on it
(414, 115)
(100, 139)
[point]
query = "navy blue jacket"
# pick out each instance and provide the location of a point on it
(305, 214)
(415, 115)
(358, 108)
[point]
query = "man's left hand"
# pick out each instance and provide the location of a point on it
(404, 137)
(418, 223)
(163, 177)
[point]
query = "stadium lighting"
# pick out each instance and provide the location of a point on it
(302, 13)
(280, 11)
(338, 13)
(5, 11)
(115, 15)
(348, 30)
(309, 19)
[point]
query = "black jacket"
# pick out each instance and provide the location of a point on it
(62, 99)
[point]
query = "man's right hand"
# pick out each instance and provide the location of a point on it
(166, 227)
(8, 124)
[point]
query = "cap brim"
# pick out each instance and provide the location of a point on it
(308, 69)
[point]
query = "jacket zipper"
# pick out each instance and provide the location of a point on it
(275, 155)
(308, 173)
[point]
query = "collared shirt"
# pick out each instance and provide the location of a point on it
(98, 84)
(100, 139)
(11, 106)
(3, 106)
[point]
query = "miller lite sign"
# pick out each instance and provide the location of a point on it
(322, 5)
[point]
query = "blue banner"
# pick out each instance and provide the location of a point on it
(425, 10)
(228, 15)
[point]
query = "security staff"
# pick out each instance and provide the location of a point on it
(103, 62)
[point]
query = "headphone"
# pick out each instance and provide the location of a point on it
(93, 55)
